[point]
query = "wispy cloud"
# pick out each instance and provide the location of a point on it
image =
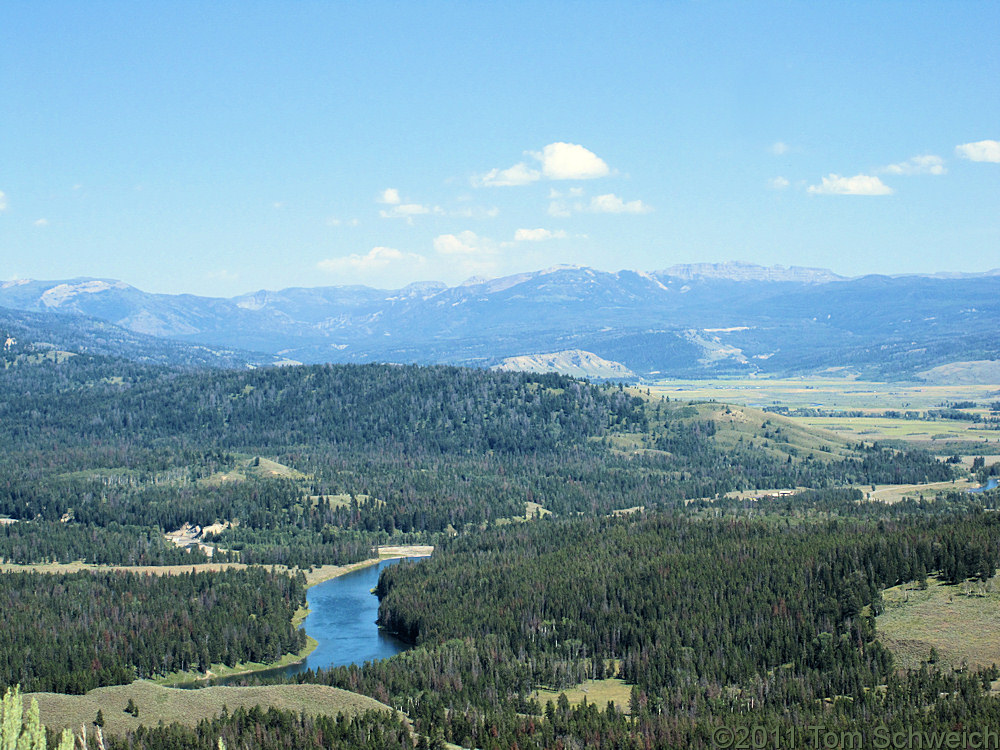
(560, 206)
(475, 212)
(778, 183)
(778, 148)
(408, 211)
(556, 161)
(333, 221)
(469, 253)
(40, 222)
(861, 184)
(538, 235)
(519, 174)
(375, 259)
(397, 209)
(612, 204)
(980, 151)
(925, 164)
(3, 201)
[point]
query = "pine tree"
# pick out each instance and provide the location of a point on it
(28, 734)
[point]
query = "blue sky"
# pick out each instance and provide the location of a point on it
(218, 148)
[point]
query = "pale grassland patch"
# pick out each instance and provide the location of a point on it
(76, 567)
(958, 621)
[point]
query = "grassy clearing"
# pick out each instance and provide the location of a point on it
(340, 501)
(158, 570)
(959, 621)
(256, 466)
(532, 511)
(267, 468)
(598, 692)
(188, 707)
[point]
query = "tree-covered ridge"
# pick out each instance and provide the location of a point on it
(77, 631)
(416, 410)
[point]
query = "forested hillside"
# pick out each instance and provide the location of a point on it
(74, 632)
(706, 606)
(364, 454)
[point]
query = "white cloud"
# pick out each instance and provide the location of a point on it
(374, 260)
(463, 243)
(980, 151)
(538, 235)
(612, 204)
(3, 201)
(570, 161)
(558, 161)
(778, 183)
(40, 223)
(926, 164)
(778, 148)
(389, 196)
(519, 174)
(861, 184)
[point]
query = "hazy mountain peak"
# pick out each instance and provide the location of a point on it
(61, 293)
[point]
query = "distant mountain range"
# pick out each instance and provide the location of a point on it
(694, 320)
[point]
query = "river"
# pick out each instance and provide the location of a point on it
(342, 615)
(990, 485)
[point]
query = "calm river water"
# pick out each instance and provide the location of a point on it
(342, 619)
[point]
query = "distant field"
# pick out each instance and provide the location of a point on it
(870, 398)
(828, 393)
(959, 621)
(188, 707)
